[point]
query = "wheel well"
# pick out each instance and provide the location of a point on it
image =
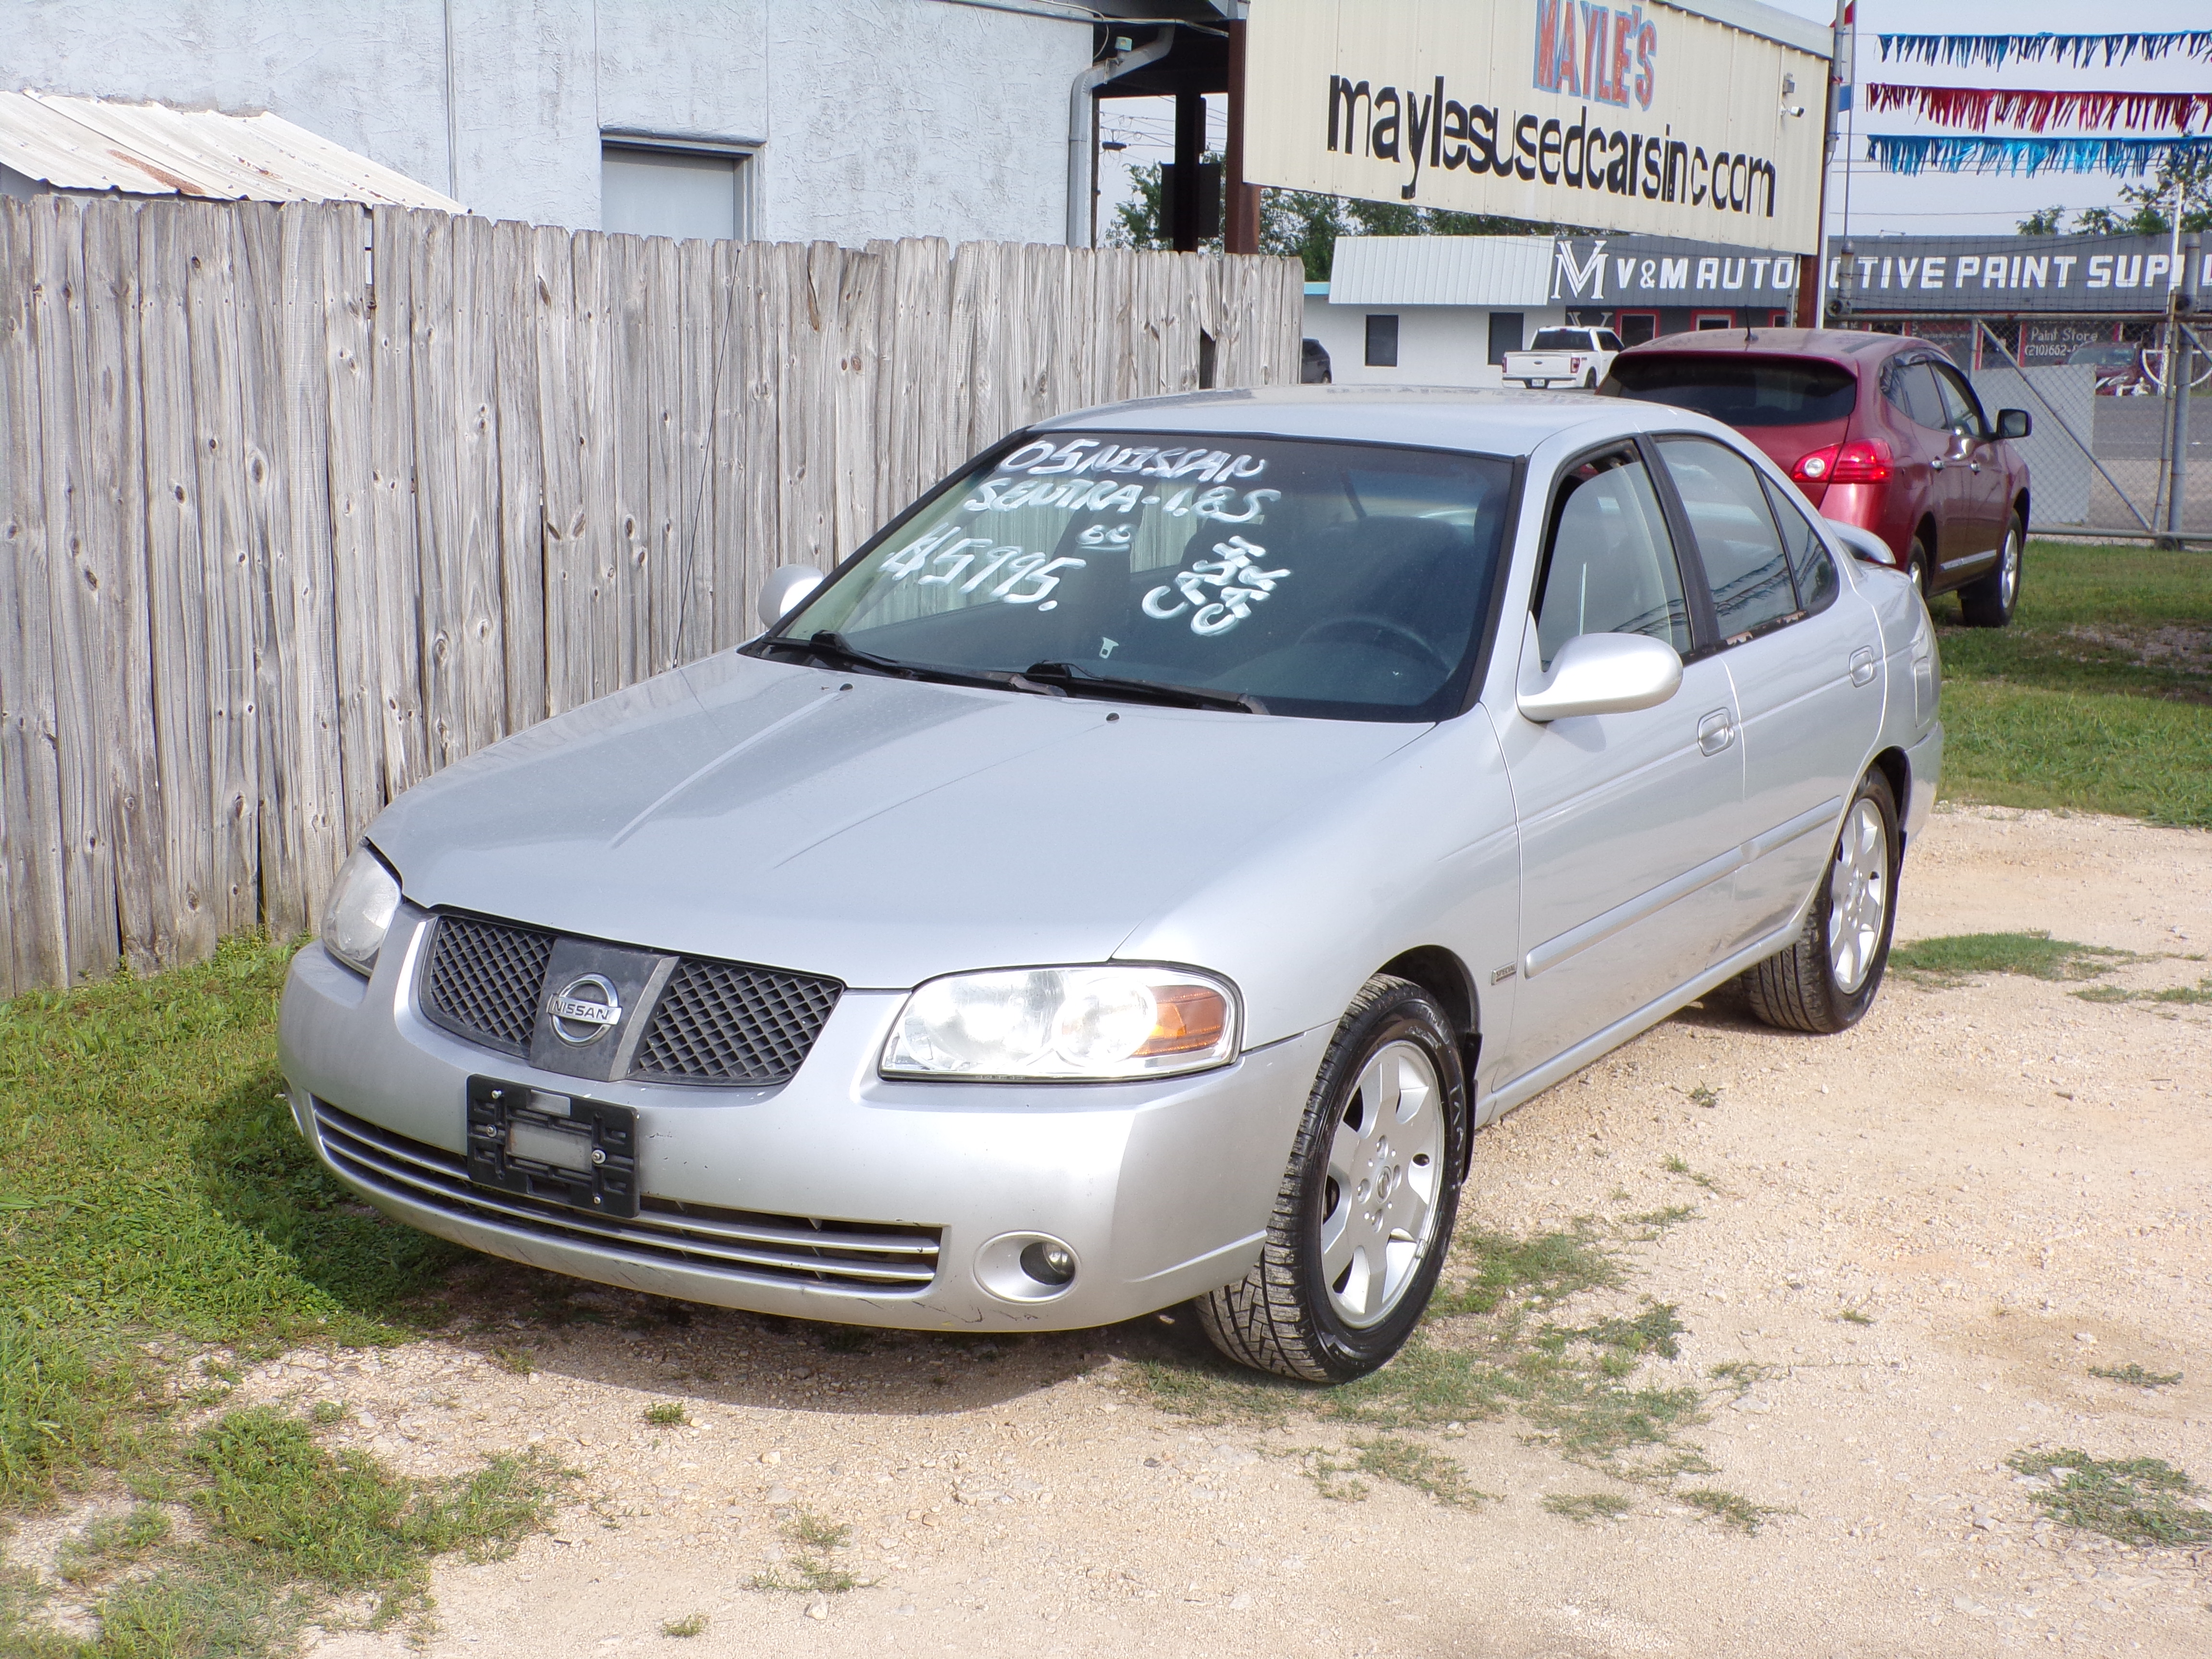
(1444, 976)
(1926, 530)
(1893, 766)
(2019, 505)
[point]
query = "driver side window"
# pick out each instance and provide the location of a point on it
(1610, 566)
(1962, 412)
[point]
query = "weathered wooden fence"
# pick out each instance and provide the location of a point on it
(299, 504)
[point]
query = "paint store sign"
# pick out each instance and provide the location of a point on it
(2074, 273)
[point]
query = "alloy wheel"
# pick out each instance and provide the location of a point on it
(1858, 896)
(1379, 1206)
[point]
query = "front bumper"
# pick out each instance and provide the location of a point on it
(1162, 1189)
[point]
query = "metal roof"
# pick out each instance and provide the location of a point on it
(152, 150)
(1441, 270)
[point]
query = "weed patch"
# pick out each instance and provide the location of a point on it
(811, 1567)
(1674, 1164)
(2187, 996)
(1853, 1316)
(666, 1415)
(2136, 1375)
(1730, 1509)
(1486, 1351)
(1589, 1508)
(692, 1624)
(1954, 959)
(2141, 1501)
(109, 1546)
(1656, 1222)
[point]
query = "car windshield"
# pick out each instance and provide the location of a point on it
(1346, 581)
(2115, 356)
(1560, 339)
(1742, 391)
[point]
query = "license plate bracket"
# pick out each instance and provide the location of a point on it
(560, 1148)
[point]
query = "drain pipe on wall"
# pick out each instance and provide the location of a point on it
(1081, 157)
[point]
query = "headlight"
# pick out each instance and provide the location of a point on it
(1086, 1023)
(360, 912)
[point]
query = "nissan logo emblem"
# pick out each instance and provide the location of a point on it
(584, 1010)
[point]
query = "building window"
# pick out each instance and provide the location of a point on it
(669, 191)
(1383, 342)
(1708, 319)
(1506, 332)
(1637, 326)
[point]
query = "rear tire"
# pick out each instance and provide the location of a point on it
(1916, 566)
(1826, 980)
(1363, 1217)
(1988, 602)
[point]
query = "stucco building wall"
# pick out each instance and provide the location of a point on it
(874, 117)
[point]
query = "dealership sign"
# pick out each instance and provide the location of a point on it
(1651, 119)
(1663, 270)
(2006, 275)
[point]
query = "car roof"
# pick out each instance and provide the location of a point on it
(1849, 347)
(1483, 422)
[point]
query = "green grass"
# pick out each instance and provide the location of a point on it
(1955, 958)
(162, 1226)
(2141, 1501)
(1730, 1509)
(2072, 706)
(1395, 1458)
(666, 1415)
(692, 1624)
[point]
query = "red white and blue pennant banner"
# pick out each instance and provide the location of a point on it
(1945, 152)
(1978, 107)
(1966, 50)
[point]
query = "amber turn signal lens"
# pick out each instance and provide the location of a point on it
(1190, 1020)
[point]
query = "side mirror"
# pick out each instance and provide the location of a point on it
(1605, 674)
(786, 585)
(2014, 423)
(1863, 545)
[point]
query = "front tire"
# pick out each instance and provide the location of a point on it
(1826, 980)
(1364, 1213)
(1988, 602)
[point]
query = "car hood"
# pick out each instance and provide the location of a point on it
(874, 830)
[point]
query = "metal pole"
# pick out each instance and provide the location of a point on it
(2181, 362)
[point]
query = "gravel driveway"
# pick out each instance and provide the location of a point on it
(1902, 1249)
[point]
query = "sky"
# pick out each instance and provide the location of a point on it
(1925, 203)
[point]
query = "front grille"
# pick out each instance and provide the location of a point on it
(875, 1257)
(485, 980)
(720, 1022)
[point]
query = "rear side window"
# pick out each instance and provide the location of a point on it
(1746, 565)
(1809, 561)
(1610, 567)
(1742, 391)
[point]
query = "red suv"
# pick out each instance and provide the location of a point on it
(1878, 430)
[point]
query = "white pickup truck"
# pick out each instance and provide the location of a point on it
(1564, 357)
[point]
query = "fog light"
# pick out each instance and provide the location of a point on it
(1048, 1264)
(1026, 1266)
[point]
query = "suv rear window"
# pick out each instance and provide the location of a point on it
(1742, 391)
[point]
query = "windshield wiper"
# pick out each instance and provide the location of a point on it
(1076, 679)
(837, 650)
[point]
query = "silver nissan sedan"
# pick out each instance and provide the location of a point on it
(1133, 876)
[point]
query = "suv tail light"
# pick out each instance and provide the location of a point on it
(1866, 461)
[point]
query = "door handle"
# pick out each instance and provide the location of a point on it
(1863, 665)
(1716, 732)
(1938, 464)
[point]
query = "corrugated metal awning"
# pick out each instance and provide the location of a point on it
(1441, 270)
(151, 150)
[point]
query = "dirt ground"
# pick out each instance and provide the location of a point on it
(2006, 1183)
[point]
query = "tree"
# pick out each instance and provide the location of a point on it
(2148, 210)
(1302, 224)
(2044, 221)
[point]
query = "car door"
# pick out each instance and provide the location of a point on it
(1924, 442)
(1979, 496)
(1803, 655)
(1627, 822)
